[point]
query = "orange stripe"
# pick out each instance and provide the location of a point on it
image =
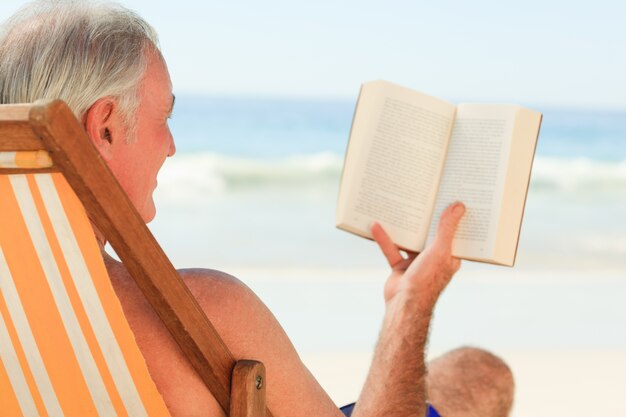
(83, 232)
(33, 159)
(8, 401)
(9, 224)
(77, 305)
(42, 313)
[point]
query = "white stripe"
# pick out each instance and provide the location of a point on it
(33, 356)
(64, 306)
(7, 160)
(8, 357)
(90, 299)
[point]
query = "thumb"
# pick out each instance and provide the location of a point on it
(448, 223)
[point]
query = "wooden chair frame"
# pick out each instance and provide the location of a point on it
(238, 386)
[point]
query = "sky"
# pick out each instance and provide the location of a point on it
(567, 54)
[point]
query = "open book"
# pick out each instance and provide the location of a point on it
(411, 155)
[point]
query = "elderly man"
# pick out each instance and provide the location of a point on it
(103, 60)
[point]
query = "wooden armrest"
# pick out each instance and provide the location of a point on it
(248, 389)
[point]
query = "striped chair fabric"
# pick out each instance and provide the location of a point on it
(66, 348)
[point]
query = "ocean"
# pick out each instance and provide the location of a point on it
(252, 191)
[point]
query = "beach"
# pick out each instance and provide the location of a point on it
(559, 334)
(548, 383)
(252, 191)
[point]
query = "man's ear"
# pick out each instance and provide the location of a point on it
(102, 127)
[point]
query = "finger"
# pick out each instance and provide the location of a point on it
(386, 245)
(448, 223)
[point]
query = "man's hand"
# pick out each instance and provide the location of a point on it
(423, 277)
(396, 384)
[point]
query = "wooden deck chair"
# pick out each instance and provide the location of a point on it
(65, 346)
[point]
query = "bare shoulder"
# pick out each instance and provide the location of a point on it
(251, 331)
(206, 281)
(219, 291)
(238, 314)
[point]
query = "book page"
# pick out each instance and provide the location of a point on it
(523, 145)
(474, 173)
(394, 161)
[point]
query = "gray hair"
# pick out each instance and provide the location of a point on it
(76, 51)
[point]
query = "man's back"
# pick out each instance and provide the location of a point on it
(182, 390)
(248, 329)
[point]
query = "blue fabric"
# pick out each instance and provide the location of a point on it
(347, 410)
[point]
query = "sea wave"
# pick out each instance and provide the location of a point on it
(210, 173)
(579, 175)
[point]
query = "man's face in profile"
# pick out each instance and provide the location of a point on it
(136, 161)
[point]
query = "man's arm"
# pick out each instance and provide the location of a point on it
(251, 331)
(396, 383)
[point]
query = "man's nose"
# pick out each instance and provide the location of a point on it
(172, 148)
